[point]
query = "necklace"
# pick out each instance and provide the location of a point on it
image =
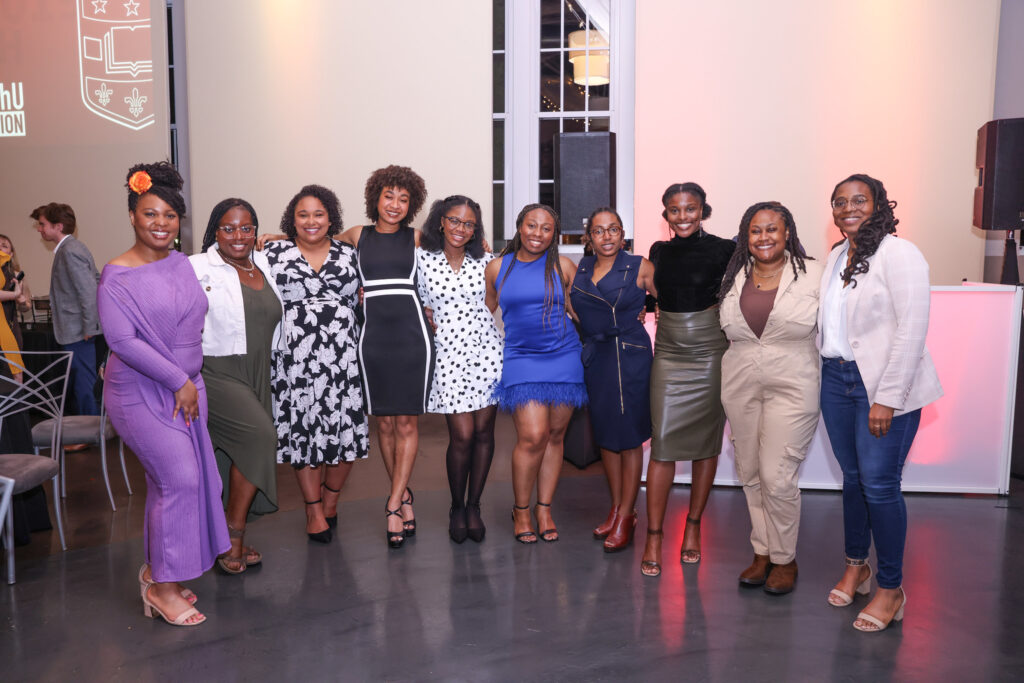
(768, 276)
(251, 270)
(455, 264)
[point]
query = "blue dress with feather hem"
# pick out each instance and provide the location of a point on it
(541, 359)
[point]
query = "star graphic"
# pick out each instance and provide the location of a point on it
(132, 7)
(99, 6)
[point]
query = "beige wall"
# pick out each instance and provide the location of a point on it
(282, 94)
(760, 101)
(69, 154)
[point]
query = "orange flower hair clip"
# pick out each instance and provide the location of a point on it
(140, 182)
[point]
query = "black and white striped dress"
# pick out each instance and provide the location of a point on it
(396, 348)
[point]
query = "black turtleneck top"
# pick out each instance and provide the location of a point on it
(688, 271)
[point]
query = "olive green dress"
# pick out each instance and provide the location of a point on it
(238, 388)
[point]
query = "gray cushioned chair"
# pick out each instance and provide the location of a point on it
(43, 392)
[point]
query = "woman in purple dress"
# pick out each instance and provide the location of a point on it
(152, 309)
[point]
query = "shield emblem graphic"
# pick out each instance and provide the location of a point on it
(115, 60)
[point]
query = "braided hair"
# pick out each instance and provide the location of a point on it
(218, 212)
(741, 258)
(552, 261)
(880, 223)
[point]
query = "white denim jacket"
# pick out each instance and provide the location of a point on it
(224, 329)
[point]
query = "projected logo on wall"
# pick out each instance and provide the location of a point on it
(115, 60)
(12, 115)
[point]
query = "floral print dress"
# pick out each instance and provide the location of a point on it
(318, 395)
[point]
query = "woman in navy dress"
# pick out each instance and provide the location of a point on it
(396, 348)
(608, 296)
(542, 376)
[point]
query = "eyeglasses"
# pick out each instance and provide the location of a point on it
(230, 230)
(611, 231)
(456, 224)
(858, 202)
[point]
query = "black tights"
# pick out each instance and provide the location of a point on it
(470, 449)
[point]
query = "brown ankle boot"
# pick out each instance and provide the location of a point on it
(604, 528)
(782, 579)
(757, 572)
(621, 534)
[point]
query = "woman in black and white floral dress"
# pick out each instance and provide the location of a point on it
(451, 283)
(318, 400)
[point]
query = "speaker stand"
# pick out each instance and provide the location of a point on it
(1011, 276)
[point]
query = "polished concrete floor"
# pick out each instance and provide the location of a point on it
(355, 610)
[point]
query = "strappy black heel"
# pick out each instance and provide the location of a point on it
(395, 538)
(409, 526)
(332, 521)
(320, 536)
(552, 530)
(523, 537)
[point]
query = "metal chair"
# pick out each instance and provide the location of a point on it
(41, 309)
(7, 523)
(93, 430)
(43, 391)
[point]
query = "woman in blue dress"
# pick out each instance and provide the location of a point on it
(608, 296)
(542, 376)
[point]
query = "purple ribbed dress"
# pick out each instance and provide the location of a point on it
(152, 318)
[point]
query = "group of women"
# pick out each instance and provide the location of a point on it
(289, 349)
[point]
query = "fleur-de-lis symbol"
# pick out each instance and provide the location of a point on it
(103, 94)
(135, 102)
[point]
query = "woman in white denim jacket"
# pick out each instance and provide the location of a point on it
(242, 327)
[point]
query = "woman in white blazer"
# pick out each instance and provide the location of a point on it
(242, 326)
(770, 382)
(876, 377)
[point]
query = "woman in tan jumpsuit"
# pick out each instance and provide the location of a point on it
(770, 382)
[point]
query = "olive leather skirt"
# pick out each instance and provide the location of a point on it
(687, 418)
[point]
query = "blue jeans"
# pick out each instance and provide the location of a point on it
(872, 467)
(83, 375)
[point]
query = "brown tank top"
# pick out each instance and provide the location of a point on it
(756, 305)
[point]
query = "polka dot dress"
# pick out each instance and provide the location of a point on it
(467, 340)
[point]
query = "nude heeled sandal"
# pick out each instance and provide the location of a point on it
(843, 599)
(878, 624)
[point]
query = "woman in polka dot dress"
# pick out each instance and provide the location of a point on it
(451, 261)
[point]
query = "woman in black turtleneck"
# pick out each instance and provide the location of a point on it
(686, 378)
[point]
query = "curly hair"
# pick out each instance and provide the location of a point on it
(432, 237)
(690, 188)
(218, 212)
(741, 258)
(167, 184)
(325, 196)
(880, 223)
(552, 262)
(401, 177)
(588, 247)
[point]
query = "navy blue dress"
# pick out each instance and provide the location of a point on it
(616, 352)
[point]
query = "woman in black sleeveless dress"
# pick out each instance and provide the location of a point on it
(396, 349)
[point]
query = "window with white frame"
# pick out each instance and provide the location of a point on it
(560, 66)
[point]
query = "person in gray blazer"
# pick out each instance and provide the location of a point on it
(73, 281)
(876, 376)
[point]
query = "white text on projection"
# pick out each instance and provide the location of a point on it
(12, 110)
(115, 61)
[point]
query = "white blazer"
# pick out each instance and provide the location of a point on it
(224, 329)
(887, 321)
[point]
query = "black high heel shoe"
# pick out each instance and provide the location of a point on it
(528, 537)
(332, 521)
(546, 535)
(475, 528)
(320, 536)
(395, 538)
(457, 524)
(410, 525)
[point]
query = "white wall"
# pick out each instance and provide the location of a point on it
(760, 101)
(282, 94)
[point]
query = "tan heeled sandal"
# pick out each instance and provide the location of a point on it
(148, 608)
(844, 599)
(144, 584)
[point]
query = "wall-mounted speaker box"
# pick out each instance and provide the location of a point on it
(584, 176)
(999, 197)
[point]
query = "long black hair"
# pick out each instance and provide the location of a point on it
(432, 233)
(218, 212)
(741, 258)
(552, 262)
(880, 223)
